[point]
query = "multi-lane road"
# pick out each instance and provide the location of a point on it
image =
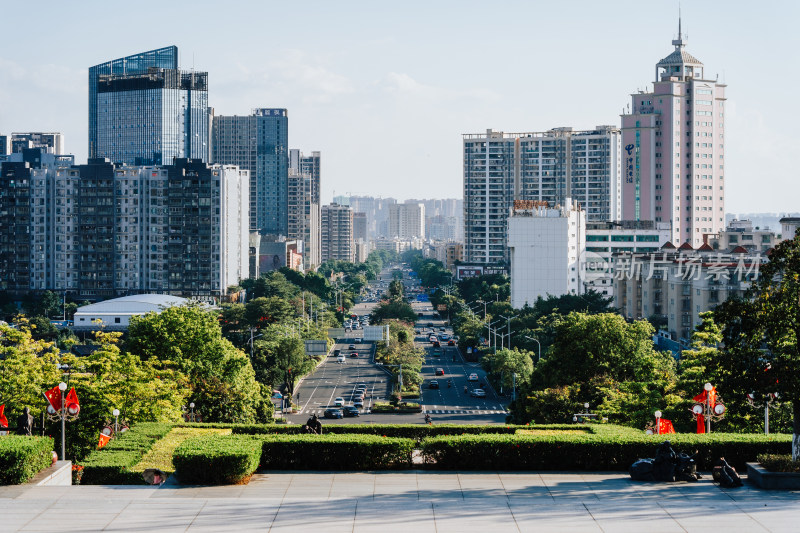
(451, 404)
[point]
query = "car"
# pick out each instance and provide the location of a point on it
(351, 347)
(358, 340)
(340, 358)
(473, 377)
(441, 329)
(336, 353)
(478, 393)
(416, 331)
(436, 344)
(333, 413)
(350, 410)
(338, 402)
(451, 342)
(432, 338)
(433, 384)
(358, 403)
(354, 354)
(439, 372)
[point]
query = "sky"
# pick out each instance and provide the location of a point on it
(386, 89)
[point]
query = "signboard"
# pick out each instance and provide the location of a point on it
(441, 307)
(336, 333)
(374, 333)
(316, 347)
(422, 298)
(465, 272)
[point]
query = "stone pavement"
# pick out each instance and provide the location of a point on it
(410, 502)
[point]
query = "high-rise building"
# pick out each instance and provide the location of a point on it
(377, 210)
(547, 167)
(52, 143)
(406, 221)
(259, 143)
(673, 148)
(311, 165)
(360, 227)
(100, 230)
(143, 110)
(337, 233)
(304, 217)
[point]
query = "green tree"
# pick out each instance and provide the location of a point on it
(279, 357)
(268, 310)
(503, 365)
(393, 310)
(761, 335)
(221, 378)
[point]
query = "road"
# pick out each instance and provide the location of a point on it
(445, 405)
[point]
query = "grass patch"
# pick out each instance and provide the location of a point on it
(160, 455)
(550, 432)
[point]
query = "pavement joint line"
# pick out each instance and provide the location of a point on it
(196, 515)
(593, 518)
(510, 510)
(669, 515)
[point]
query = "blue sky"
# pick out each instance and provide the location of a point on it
(385, 90)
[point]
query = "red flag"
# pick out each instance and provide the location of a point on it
(72, 397)
(665, 426)
(703, 397)
(701, 424)
(103, 440)
(3, 419)
(54, 397)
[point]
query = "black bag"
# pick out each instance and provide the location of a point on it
(642, 470)
(664, 463)
(726, 475)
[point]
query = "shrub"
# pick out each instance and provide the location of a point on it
(217, 460)
(336, 452)
(21, 458)
(407, 431)
(113, 464)
(602, 447)
(779, 463)
(402, 407)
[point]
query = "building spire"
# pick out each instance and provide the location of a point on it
(679, 42)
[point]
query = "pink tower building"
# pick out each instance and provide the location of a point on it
(673, 149)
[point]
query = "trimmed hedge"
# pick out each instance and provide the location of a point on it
(21, 458)
(335, 452)
(406, 431)
(218, 460)
(603, 447)
(112, 465)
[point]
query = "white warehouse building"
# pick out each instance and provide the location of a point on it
(115, 314)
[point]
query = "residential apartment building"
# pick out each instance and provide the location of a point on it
(52, 143)
(673, 140)
(741, 233)
(377, 211)
(304, 217)
(545, 247)
(547, 167)
(144, 110)
(406, 221)
(258, 143)
(337, 233)
(360, 226)
(100, 230)
(676, 285)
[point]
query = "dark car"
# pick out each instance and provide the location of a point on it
(350, 411)
(354, 354)
(351, 347)
(439, 372)
(433, 384)
(336, 352)
(333, 413)
(436, 344)
(451, 342)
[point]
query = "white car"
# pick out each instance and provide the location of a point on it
(338, 402)
(340, 359)
(473, 377)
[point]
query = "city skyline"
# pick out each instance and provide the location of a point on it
(363, 82)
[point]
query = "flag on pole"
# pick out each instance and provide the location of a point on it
(665, 426)
(3, 419)
(704, 397)
(54, 398)
(72, 397)
(103, 440)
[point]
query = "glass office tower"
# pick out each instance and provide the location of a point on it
(143, 110)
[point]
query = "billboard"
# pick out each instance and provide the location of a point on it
(271, 256)
(336, 333)
(464, 272)
(375, 333)
(441, 307)
(316, 347)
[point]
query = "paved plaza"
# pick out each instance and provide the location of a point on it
(409, 502)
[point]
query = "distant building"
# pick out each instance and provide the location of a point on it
(407, 221)
(144, 110)
(741, 233)
(52, 143)
(258, 143)
(304, 217)
(545, 246)
(337, 233)
(360, 226)
(789, 226)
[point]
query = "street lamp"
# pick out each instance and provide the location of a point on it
(658, 422)
(115, 412)
(63, 413)
(191, 413)
(539, 358)
(708, 410)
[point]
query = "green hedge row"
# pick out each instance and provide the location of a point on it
(600, 448)
(112, 465)
(217, 460)
(336, 452)
(21, 458)
(405, 431)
